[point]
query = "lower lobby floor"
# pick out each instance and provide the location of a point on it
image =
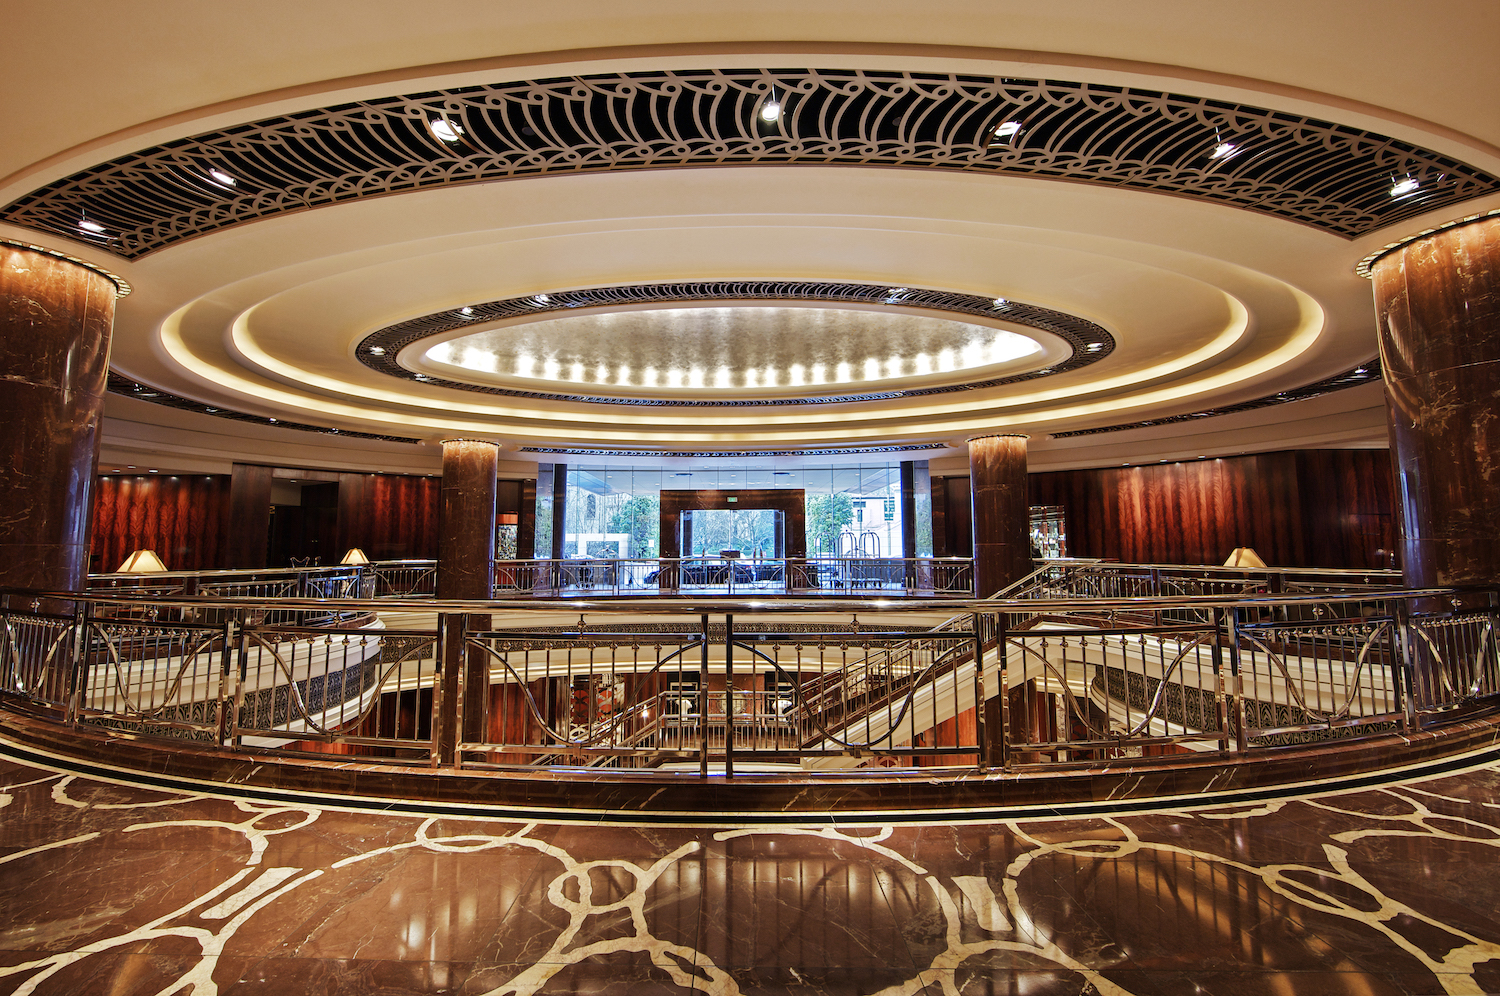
(118, 889)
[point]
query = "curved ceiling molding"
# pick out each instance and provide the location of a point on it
(1365, 373)
(127, 388)
(1336, 178)
(1088, 341)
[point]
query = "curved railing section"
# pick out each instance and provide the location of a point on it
(684, 685)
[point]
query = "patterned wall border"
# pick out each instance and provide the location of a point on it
(1362, 374)
(1336, 178)
(1089, 341)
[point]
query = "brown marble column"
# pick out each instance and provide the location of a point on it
(465, 570)
(1002, 534)
(466, 527)
(1438, 303)
(55, 323)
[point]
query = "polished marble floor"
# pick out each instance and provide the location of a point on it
(122, 890)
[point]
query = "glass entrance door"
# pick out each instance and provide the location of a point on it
(726, 549)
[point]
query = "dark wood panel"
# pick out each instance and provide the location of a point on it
(249, 526)
(952, 518)
(1311, 508)
(389, 516)
(1349, 507)
(183, 518)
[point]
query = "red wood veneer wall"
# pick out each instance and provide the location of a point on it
(1305, 508)
(389, 516)
(182, 518)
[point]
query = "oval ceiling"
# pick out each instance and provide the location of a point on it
(734, 351)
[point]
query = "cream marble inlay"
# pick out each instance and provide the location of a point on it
(961, 896)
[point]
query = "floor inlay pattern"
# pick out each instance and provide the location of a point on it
(124, 890)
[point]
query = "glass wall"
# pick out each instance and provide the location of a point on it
(852, 511)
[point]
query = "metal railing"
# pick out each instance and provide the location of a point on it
(706, 684)
(1102, 579)
(918, 576)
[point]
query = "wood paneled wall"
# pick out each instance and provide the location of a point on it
(1350, 516)
(389, 516)
(1306, 508)
(183, 519)
(1182, 513)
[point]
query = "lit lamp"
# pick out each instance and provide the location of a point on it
(1243, 556)
(142, 562)
(355, 558)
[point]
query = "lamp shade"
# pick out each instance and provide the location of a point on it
(1244, 556)
(355, 557)
(142, 562)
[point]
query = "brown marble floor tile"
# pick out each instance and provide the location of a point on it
(337, 977)
(114, 888)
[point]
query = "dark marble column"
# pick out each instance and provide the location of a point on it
(1002, 535)
(466, 530)
(55, 322)
(1438, 303)
(466, 568)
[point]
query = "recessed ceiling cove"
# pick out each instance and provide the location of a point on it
(735, 350)
(746, 343)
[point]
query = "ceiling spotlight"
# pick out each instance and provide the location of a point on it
(219, 176)
(1007, 129)
(271, 420)
(1094, 347)
(1400, 188)
(91, 226)
(771, 112)
(542, 299)
(1001, 302)
(445, 130)
(466, 310)
(377, 350)
(1222, 150)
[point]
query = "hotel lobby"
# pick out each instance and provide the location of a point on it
(694, 377)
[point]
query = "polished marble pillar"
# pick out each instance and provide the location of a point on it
(55, 322)
(466, 530)
(465, 570)
(1002, 534)
(1437, 299)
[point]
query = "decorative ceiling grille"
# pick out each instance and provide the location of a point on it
(1339, 179)
(1089, 341)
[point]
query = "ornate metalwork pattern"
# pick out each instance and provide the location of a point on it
(1363, 374)
(1090, 342)
(1336, 178)
(128, 388)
